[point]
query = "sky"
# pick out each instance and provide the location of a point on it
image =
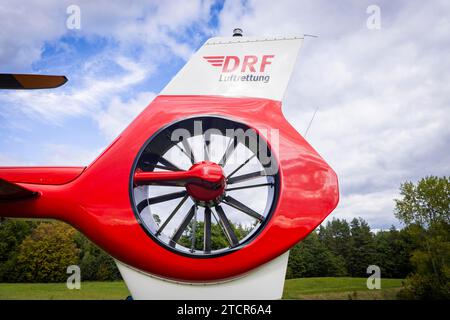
(380, 88)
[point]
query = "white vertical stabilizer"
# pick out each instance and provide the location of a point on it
(238, 67)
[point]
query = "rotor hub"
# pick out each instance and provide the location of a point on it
(213, 183)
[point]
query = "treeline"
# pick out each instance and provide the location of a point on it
(340, 248)
(420, 252)
(33, 251)
(36, 251)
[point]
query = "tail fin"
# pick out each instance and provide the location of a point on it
(11, 192)
(238, 67)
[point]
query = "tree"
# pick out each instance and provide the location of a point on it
(95, 264)
(336, 236)
(12, 233)
(311, 258)
(393, 253)
(362, 248)
(218, 239)
(45, 255)
(425, 209)
(426, 203)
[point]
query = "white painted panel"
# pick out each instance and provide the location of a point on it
(263, 283)
(238, 67)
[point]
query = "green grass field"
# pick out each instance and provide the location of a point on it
(339, 288)
(306, 288)
(116, 290)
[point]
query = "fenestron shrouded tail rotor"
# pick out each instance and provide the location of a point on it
(30, 81)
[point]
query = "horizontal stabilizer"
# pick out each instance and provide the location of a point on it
(12, 192)
(30, 81)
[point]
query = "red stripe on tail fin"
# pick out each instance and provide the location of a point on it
(216, 61)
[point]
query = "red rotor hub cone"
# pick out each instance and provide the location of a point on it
(213, 182)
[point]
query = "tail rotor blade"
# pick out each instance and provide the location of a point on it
(30, 81)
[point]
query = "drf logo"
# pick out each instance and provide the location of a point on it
(246, 63)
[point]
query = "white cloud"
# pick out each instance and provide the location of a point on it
(55, 155)
(103, 86)
(383, 96)
(142, 35)
(25, 26)
(68, 155)
(6, 160)
(119, 113)
(158, 28)
(376, 207)
(87, 100)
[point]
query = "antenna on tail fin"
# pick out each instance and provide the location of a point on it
(237, 32)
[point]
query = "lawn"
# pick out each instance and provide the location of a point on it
(116, 290)
(306, 288)
(339, 288)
